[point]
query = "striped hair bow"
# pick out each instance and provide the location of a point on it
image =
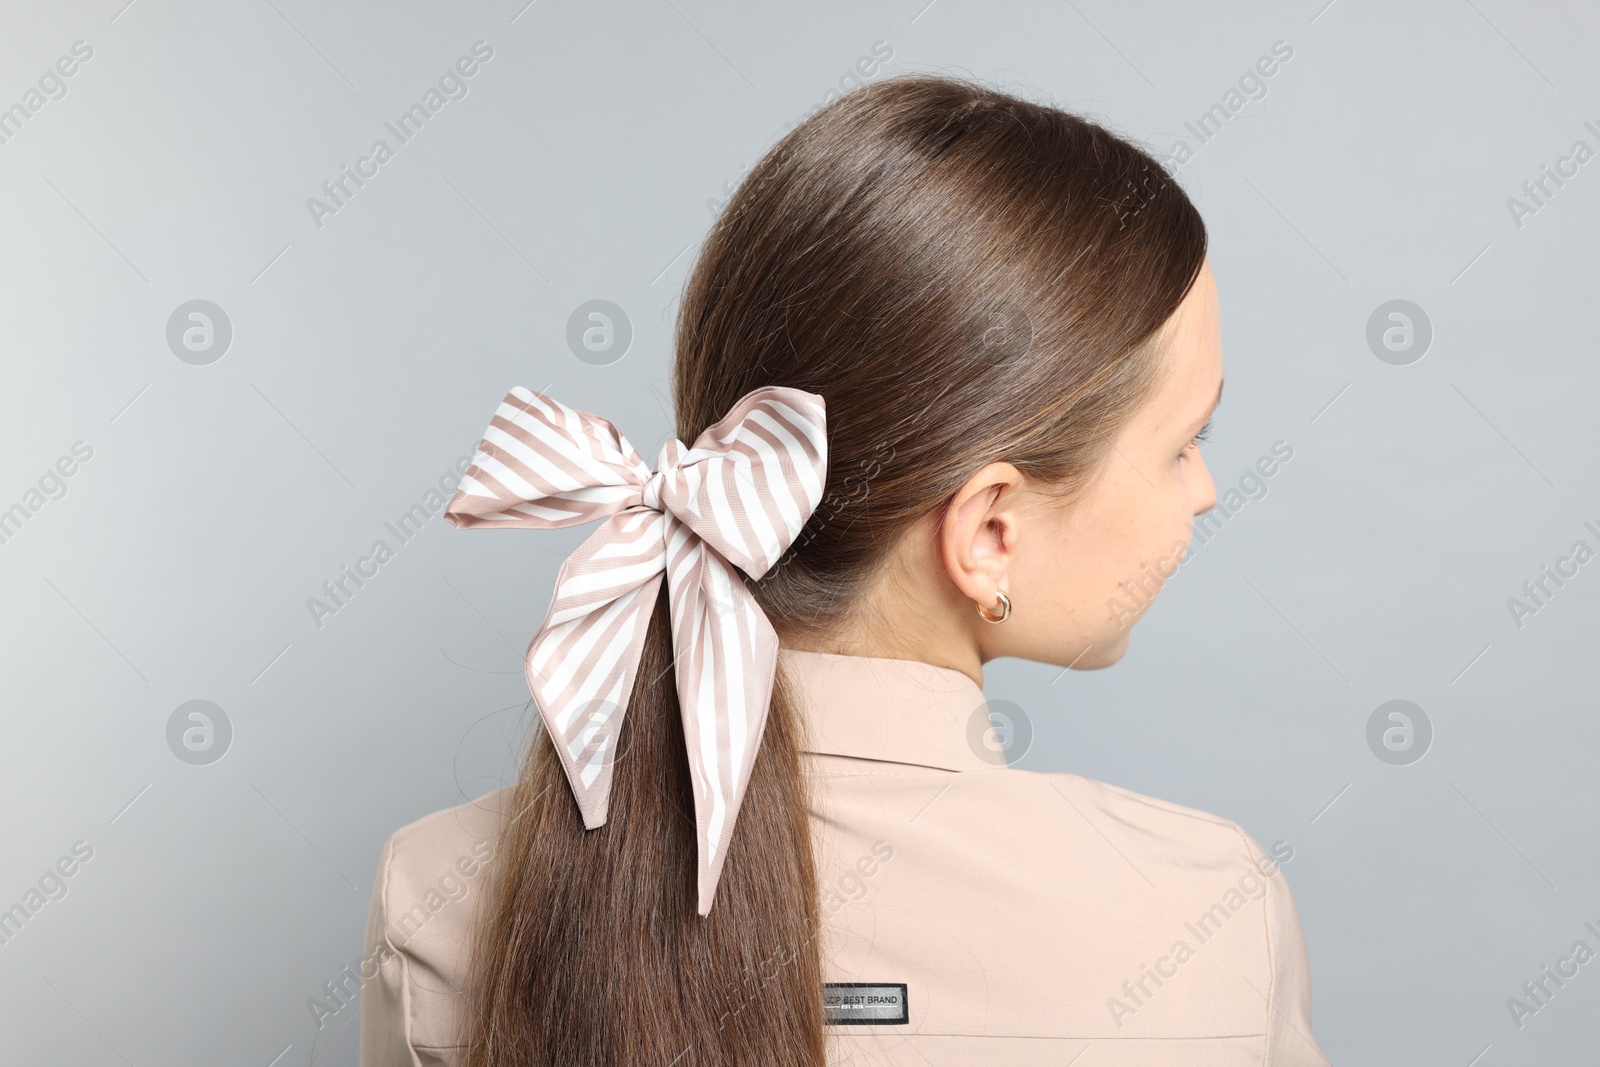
(737, 499)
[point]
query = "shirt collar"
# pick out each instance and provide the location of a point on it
(894, 710)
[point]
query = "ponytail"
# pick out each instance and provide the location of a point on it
(590, 951)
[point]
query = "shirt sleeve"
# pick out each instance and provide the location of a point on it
(1290, 1042)
(385, 1012)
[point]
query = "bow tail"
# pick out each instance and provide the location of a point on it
(727, 657)
(583, 659)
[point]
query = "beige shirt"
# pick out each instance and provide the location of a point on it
(1033, 918)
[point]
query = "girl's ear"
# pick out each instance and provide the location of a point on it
(978, 535)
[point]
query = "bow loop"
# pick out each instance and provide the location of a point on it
(543, 465)
(753, 478)
(733, 502)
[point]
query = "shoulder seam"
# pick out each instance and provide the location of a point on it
(1167, 806)
(1266, 934)
(919, 772)
(411, 828)
(400, 954)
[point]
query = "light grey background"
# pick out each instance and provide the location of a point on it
(368, 354)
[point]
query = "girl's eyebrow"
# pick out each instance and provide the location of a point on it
(1212, 409)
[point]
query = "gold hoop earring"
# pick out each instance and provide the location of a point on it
(1005, 608)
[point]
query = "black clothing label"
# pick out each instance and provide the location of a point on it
(857, 1003)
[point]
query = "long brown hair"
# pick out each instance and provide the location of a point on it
(963, 276)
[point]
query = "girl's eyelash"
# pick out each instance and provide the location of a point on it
(1194, 442)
